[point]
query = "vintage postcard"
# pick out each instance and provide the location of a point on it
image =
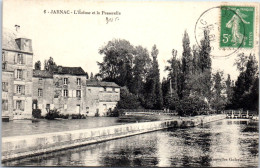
(130, 83)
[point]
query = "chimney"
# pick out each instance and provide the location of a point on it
(17, 28)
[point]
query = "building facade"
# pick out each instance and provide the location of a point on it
(69, 91)
(102, 97)
(17, 68)
(65, 89)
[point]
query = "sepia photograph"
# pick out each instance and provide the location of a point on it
(130, 83)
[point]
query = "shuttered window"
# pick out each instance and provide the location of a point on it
(20, 89)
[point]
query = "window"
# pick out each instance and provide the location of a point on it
(105, 89)
(113, 89)
(19, 89)
(40, 80)
(40, 92)
(5, 86)
(3, 65)
(19, 105)
(3, 56)
(65, 106)
(35, 104)
(78, 93)
(78, 81)
(65, 93)
(19, 74)
(65, 81)
(20, 59)
(48, 107)
(4, 105)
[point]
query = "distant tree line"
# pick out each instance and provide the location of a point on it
(190, 86)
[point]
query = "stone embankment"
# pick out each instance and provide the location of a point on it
(23, 146)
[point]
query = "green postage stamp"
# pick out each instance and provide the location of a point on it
(237, 27)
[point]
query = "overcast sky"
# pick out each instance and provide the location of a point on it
(74, 40)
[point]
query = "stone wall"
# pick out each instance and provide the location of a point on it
(23, 146)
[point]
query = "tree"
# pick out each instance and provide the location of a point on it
(50, 65)
(142, 65)
(187, 63)
(173, 70)
(91, 76)
(218, 100)
(117, 62)
(170, 87)
(37, 65)
(128, 100)
(153, 90)
(229, 91)
(205, 65)
(246, 83)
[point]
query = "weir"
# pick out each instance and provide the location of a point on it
(16, 147)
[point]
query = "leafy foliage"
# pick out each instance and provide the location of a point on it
(37, 65)
(128, 100)
(36, 113)
(245, 91)
(50, 65)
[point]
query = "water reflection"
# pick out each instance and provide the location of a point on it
(222, 143)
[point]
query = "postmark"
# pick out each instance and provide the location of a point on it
(227, 36)
(237, 27)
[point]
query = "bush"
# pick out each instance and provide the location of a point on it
(52, 114)
(190, 106)
(36, 113)
(128, 100)
(114, 113)
(78, 116)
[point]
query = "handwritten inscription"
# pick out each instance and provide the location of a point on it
(109, 19)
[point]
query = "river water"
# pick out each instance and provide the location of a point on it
(27, 127)
(228, 142)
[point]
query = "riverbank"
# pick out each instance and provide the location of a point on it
(15, 147)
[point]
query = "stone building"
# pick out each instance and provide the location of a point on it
(43, 90)
(64, 90)
(17, 68)
(102, 97)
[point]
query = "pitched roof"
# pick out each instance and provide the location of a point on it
(96, 83)
(70, 70)
(8, 39)
(42, 74)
